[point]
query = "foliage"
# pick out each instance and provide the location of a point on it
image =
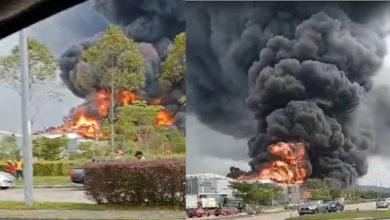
(51, 168)
(89, 150)
(9, 148)
(49, 148)
(322, 189)
(42, 69)
(117, 64)
(136, 129)
(255, 192)
(183, 101)
(174, 67)
(42, 65)
(136, 182)
(117, 61)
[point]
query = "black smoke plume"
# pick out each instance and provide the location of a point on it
(152, 23)
(290, 70)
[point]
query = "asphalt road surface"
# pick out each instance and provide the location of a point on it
(75, 194)
(294, 213)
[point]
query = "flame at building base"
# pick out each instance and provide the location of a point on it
(85, 119)
(290, 165)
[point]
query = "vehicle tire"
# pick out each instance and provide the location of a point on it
(217, 215)
(4, 187)
(300, 214)
(200, 215)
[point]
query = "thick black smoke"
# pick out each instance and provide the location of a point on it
(303, 69)
(152, 23)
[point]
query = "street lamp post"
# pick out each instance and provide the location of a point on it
(26, 123)
(353, 184)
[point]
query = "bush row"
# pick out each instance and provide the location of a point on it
(50, 168)
(154, 182)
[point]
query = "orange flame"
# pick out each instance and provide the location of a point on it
(290, 167)
(156, 101)
(88, 125)
(127, 97)
(164, 118)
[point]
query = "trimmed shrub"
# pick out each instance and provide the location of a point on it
(156, 182)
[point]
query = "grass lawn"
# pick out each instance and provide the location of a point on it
(12, 205)
(48, 180)
(381, 214)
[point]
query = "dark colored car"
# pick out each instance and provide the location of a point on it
(334, 206)
(225, 211)
(77, 175)
(312, 207)
(199, 212)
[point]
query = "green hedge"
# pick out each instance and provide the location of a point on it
(50, 168)
(156, 182)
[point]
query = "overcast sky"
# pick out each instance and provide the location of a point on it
(58, 32)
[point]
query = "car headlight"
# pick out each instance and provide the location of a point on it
(312, 207)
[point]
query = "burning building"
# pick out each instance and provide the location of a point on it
(296, 79)
(153, 25)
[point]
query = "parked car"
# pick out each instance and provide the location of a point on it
(225, 211)
(383, 203)
(199, 212)
(312, 207)
(334, 206)
(6, 180)
(77, 175)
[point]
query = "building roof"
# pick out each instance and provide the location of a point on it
(207, 175)
(10, 133)
(70, 135)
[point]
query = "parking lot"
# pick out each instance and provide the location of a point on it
(282, 214)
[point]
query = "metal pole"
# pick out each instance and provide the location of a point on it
(26, 123)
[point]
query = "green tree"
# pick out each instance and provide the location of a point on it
(42, 66)
(9, 148)
(50, 148)
(174, 67)
(318, 188)
(254, 193)
(136, 128)
(89, 150)
(117, 64)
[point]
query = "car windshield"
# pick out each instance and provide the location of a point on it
(310, 203)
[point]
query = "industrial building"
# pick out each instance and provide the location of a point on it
(207, 185)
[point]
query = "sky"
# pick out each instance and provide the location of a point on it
(57, 32)
(209, 151)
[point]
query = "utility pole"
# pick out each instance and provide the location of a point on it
(26, 123)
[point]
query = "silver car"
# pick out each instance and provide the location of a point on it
(383, 203)
(6, 180)
(312, 207)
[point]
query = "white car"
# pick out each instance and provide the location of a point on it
(6, 180)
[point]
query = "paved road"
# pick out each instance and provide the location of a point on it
(284, 215)
(74, 194)
(91, 215)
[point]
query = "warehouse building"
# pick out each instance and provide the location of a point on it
(207, 186)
